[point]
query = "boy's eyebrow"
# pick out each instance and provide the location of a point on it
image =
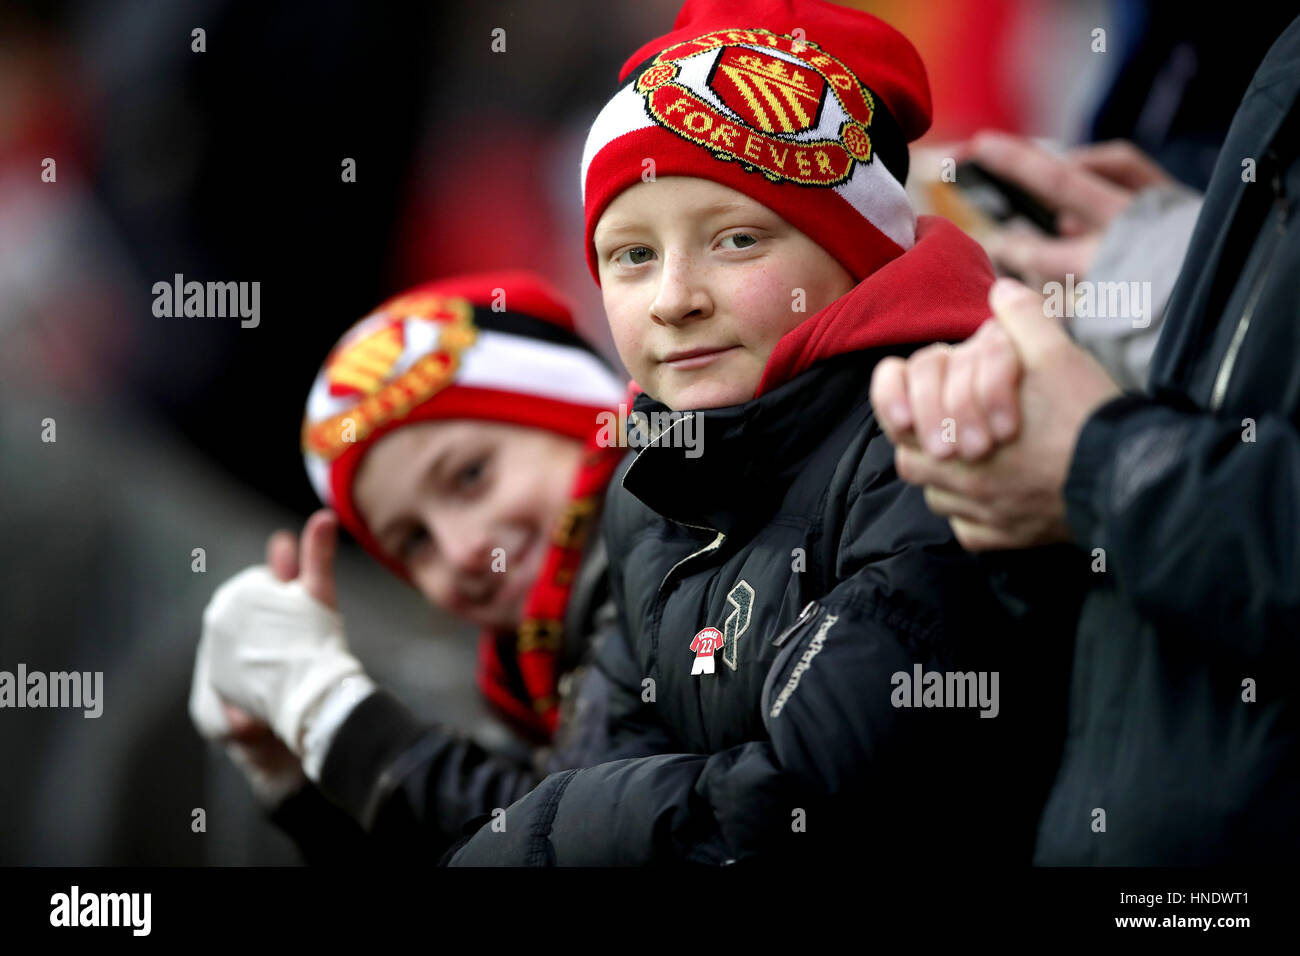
(719, 208)
(723, 206)
(613, 232)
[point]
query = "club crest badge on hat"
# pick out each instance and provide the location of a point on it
(394, 359)
(774, 103)
(807, 108)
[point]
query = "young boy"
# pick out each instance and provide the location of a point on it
(816, 653)
(453, 431)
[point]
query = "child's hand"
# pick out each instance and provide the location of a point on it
(272, 653)
(317, 548)
(271, 768)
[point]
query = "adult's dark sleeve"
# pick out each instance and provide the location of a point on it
(1196, 514)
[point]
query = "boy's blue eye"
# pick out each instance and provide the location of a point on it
(636, 255)
(743, 240)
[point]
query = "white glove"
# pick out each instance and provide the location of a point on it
(272, 776)
(273, 650)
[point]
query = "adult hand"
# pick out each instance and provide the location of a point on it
(1088, 186)
(1013, 497)
(950, 399)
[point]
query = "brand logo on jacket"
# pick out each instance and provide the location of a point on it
(737, 623)
(805, 662)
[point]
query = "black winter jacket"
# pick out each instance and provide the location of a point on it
(1183, 732)
(831, 581)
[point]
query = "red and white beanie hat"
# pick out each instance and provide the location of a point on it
(805, 106)
(493, 346)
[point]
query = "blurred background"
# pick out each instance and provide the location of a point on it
(182, 433)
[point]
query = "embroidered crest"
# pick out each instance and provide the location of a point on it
(773, 103)
(369, 366)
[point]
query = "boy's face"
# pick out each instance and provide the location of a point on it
(441, 496)
(700, 282)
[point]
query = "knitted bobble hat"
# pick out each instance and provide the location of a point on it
(805, 106)
(494, 346)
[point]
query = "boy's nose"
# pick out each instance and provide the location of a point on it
(462, 541)
(681, 297)
(469, 554)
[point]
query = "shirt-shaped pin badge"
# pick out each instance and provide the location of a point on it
(705, 643)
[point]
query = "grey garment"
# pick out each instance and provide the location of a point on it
(1146, 244)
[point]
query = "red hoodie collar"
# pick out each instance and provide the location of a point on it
(936, 291)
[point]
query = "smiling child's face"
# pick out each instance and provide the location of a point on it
(440, 497)
(700, 282)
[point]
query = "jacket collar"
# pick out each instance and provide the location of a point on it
(747, 455)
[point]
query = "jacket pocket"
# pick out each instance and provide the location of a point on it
(794, 640)
(803, 620)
